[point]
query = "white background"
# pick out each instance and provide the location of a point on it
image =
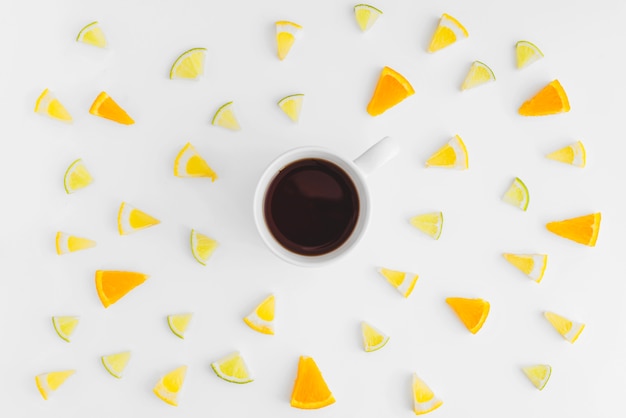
(318, 310)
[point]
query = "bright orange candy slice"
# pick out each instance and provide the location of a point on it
(550, 100)
(310, 390)
(114, 285)
(105, 107)
(391, 89)
(583, 229)
(472, 312)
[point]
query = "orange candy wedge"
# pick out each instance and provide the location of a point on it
(472, 312)
(391, 89)
(105, 107)
(310, 390)
(551, 100)
(583, 229)
(114, 285)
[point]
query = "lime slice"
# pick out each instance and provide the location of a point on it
(573, 154)
(65, 326)
(429, 223)
(292, 105)
(225, 117)
(76, 177)
(50, 382)
(527, 53)
(178, 323)
(517, 194)
(189, 65)
(479, 73)
(402, 281)
(261, 319)
(232, 368)
(170, 385)
(538, 374)
(92, 34)
(373, 339)
(202, 247)
(570, 330)
(424, 399)
(366, 15)
(116, 363)
(48, 105)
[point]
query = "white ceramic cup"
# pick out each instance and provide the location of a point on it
(357, 170)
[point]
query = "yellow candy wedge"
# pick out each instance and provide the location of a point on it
(48, 105)
(447, 33)
(451, 155)
(77, 177)
(261, 319)
(50, 382)
(189, 163)
(402, 281)
(66, 243)
(532, 265)
(131, 219)
(169, 386)
(569, 330)
(286, 35)
(573, 154)
(538, 374)
(429, 223)
(424, 399)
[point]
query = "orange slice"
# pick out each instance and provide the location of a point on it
(105, 107)
(448, 32)
(114, 285)
(472, 312)
(583, 229)
(310, 390)
(551, 100)
(391, 89)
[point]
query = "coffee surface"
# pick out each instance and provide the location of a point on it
(311, 207)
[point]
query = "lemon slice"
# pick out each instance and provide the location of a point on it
(550, 100)
(402, 281)
(116, 363)
(570, 330)
(261, 319)
(424, 399)
(451, 155)
(202, 247)
(225, 117)
(538, 374)
(65, 326)
(47, 104)
(76, 177)
(292, 105)
(366, 15)
(472, 312)
(50, 382)
(189, 163)
(517, 194)
(373, 338)
(232, 368)
(527, 53)
(479, 73)
(170, 385)
(66, 243)
(310, 390)
(189, 65)
(105, 107)
(582, 229)
(449, 30)
(532, 265)
(573, 154)
(92, 34)
(131, 219)
(286, 35)
(178, 323)
(429, 223)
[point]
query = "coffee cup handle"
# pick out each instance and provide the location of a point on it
(377, 155)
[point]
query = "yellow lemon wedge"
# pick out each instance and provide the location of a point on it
(517, 194)
(48, 105)
(189, 163)
(93, 35)
(526, 53)
(538, 374)
(472, 312)
(286, 35)
(402, 281)
(479, 73)
(233, 369)
(452, 155)
(50, 382)
(449, 30)
(582, 229)
(65, 326)
(261, 319)
(66, 243)
(532, 265)
(226, 118)
(429, 223)
(550, 100)
(113, 285)
(131, 219)
(570, 330)
(77, 177)
(310, 390)
(116, 363)
(366, 15)
(169, 386)
(424, 399)
(105, 107)
(178, 323)
(573, 154)
(391, 89)
(292, 106)
(202, 247)
(189, 65)
(373, 338)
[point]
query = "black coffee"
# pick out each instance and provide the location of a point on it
(311, 207)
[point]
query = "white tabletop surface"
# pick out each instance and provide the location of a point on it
(318, 310)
